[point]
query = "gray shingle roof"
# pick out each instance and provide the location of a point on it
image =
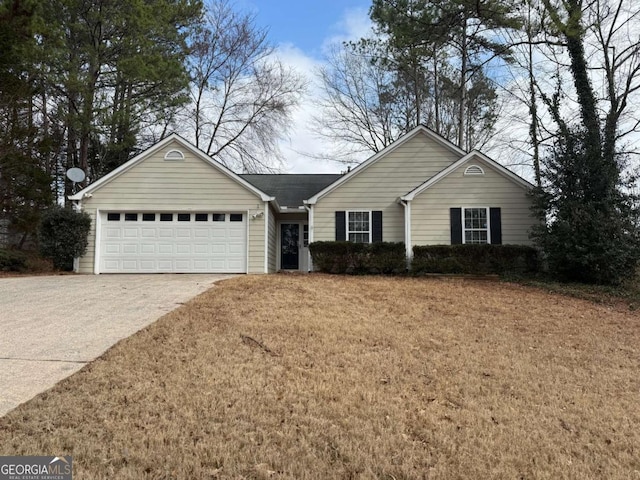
(291, 189)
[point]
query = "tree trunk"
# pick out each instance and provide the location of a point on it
(463, 84)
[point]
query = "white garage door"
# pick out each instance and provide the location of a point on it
(175, 242)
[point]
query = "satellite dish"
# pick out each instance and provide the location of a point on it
(75, 174)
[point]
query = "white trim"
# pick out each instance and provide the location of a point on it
(266, 237)
(346, 227)
(474, 170)
(384, 152)
(96, 243)
(171, 156)
(310, 223)
(488, 211)
(505, 172)
(248, 232)
(407, 229)
(158, 146)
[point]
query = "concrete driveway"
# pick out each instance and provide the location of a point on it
(50, 327)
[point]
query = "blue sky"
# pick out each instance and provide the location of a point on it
(304, 24)
(301, 31)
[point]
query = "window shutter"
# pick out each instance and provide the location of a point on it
(376, 226)
(341, 227)
(455, 215)
(495, 223)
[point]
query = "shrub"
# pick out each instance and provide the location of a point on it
(475, 259)
(12, 261)
(359, 258)
(63, 236)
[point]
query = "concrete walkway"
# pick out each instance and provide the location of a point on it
(50, 327)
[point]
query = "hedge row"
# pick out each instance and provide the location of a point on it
(390, 258)
(12, 261)
(359, 258)
(475, 259)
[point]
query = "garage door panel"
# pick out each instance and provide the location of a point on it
(200, 248)
(113, 233)
(165, 248)
(112, 248)
(148, 248)
(171, 246)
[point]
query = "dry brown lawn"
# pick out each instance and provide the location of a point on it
(387, 378)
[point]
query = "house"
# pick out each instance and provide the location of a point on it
(175, 209)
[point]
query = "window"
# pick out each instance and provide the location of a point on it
(113, 217)
(235, 217)
(475, 225)
(148, 217)
(184, 217)
(166, 217)
(201, 217)
(359, 227)
(130, 217)
(218, 217)
(305, 235)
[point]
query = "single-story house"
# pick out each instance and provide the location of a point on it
(175, 209)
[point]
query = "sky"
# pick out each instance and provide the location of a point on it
(301, 31)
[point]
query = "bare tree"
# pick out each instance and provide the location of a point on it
(358, 110)
(242, 96)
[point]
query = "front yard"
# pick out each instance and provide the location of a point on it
(320, 377)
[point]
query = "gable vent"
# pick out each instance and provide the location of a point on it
(174, 155)
(474, 170)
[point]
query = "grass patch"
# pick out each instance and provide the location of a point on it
(317, 377)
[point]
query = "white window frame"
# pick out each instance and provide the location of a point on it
(464, 230)
(349, 232)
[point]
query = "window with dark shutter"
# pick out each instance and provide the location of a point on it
(455, 215)
(376, 231)
(495, 223)
(341, 224)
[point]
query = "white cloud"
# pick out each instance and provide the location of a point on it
(304, 144)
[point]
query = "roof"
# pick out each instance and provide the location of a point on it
(420, 129)
(291, 190)
(87, 191)
(474, 155)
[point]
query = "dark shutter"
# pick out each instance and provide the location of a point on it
(455, 215)
(376, 224)
(495, 223)
(341, 226)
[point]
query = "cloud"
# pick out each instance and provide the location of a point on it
(354, 24)
(303, 144)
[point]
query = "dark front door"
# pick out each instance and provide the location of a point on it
(289, 240)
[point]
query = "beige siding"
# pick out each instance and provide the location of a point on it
(430, 223)
(380, 185)
(190, 185)
(273, 253)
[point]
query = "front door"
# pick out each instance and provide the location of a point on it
(290, 246)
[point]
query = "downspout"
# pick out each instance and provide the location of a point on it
(309, 209)
(407, 230)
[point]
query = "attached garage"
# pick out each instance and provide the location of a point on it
(174, 209)
(173, 242)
